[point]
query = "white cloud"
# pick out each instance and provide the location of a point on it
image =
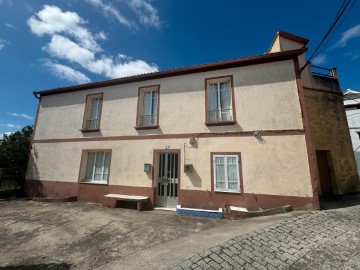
(62, 27)
(6, 133)
(351, 33)
(321, 59)
(52, 20)
(109, 9)
(63, 48)
(10, 126)
(9, 25)
(147, 14)
(132, 67)
(65, 72)
(353, 55)
(3, 42)
(101, 35)
(23, 115)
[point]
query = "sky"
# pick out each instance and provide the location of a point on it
(51, 44)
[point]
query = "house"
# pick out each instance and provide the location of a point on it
(249, 132)
(352, 108)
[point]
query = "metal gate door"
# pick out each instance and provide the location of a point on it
(168, 180)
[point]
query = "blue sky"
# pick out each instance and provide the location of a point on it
(49, 44)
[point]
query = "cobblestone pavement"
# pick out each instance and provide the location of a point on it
(320, 240)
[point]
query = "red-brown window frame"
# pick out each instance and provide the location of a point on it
(83, 163)
(87, 111)
(212, 154)
(220, 123)
(141, 90)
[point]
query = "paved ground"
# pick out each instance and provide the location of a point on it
(83, 235)
(37, 236)
(320, 240)
(77, 235)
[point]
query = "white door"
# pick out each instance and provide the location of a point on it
(167, 180)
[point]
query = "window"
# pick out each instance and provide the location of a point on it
(148, 107)
(92, 114)
(226, 173)
(96, 166)
(220, 105)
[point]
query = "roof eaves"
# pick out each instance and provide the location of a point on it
(252, 60)
(288, 36)
(293, 37)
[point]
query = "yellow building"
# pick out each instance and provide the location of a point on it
(249, 132)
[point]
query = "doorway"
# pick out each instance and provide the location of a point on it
(323, 158)
(167, 179)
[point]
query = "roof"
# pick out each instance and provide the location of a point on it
(351, 95)
(289, 36)
(293, 37)
(238, 62)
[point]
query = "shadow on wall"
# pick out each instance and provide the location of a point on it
(57, 266)
(195, 178)
(232, 128)
(341, 201)
(354, 184)
(32, 186)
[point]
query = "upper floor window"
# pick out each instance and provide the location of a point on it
(92, 114)
(220, 105)
(148, 107)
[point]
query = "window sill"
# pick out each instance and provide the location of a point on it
(220, 123)
(146, 127)
(94, 183)
(227, 191)
(90, 130)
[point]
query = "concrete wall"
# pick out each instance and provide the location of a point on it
(275, 170)
(266, 98)
(329, 131)
(353, 118)
(277, 166)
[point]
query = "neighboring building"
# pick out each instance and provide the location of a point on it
(245, 132)
(352, 107)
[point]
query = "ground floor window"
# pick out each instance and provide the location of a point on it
(97, 167)
(226, 172)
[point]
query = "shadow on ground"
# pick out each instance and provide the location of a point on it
(49, 266)
(342, 201)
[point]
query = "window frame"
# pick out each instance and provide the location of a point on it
(140, 106)
(83, 166)
(239, 172)
(220, 79)
(87, 112)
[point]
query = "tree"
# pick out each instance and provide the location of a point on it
(14, 148)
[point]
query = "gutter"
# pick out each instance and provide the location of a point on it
(238, 62)
(37, 95)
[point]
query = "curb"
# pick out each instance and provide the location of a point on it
(265, 212)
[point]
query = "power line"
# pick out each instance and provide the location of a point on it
(339, 14)
(337, 28)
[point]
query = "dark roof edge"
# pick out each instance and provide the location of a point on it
(253, 60)
(293, 37)
(290, 37)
